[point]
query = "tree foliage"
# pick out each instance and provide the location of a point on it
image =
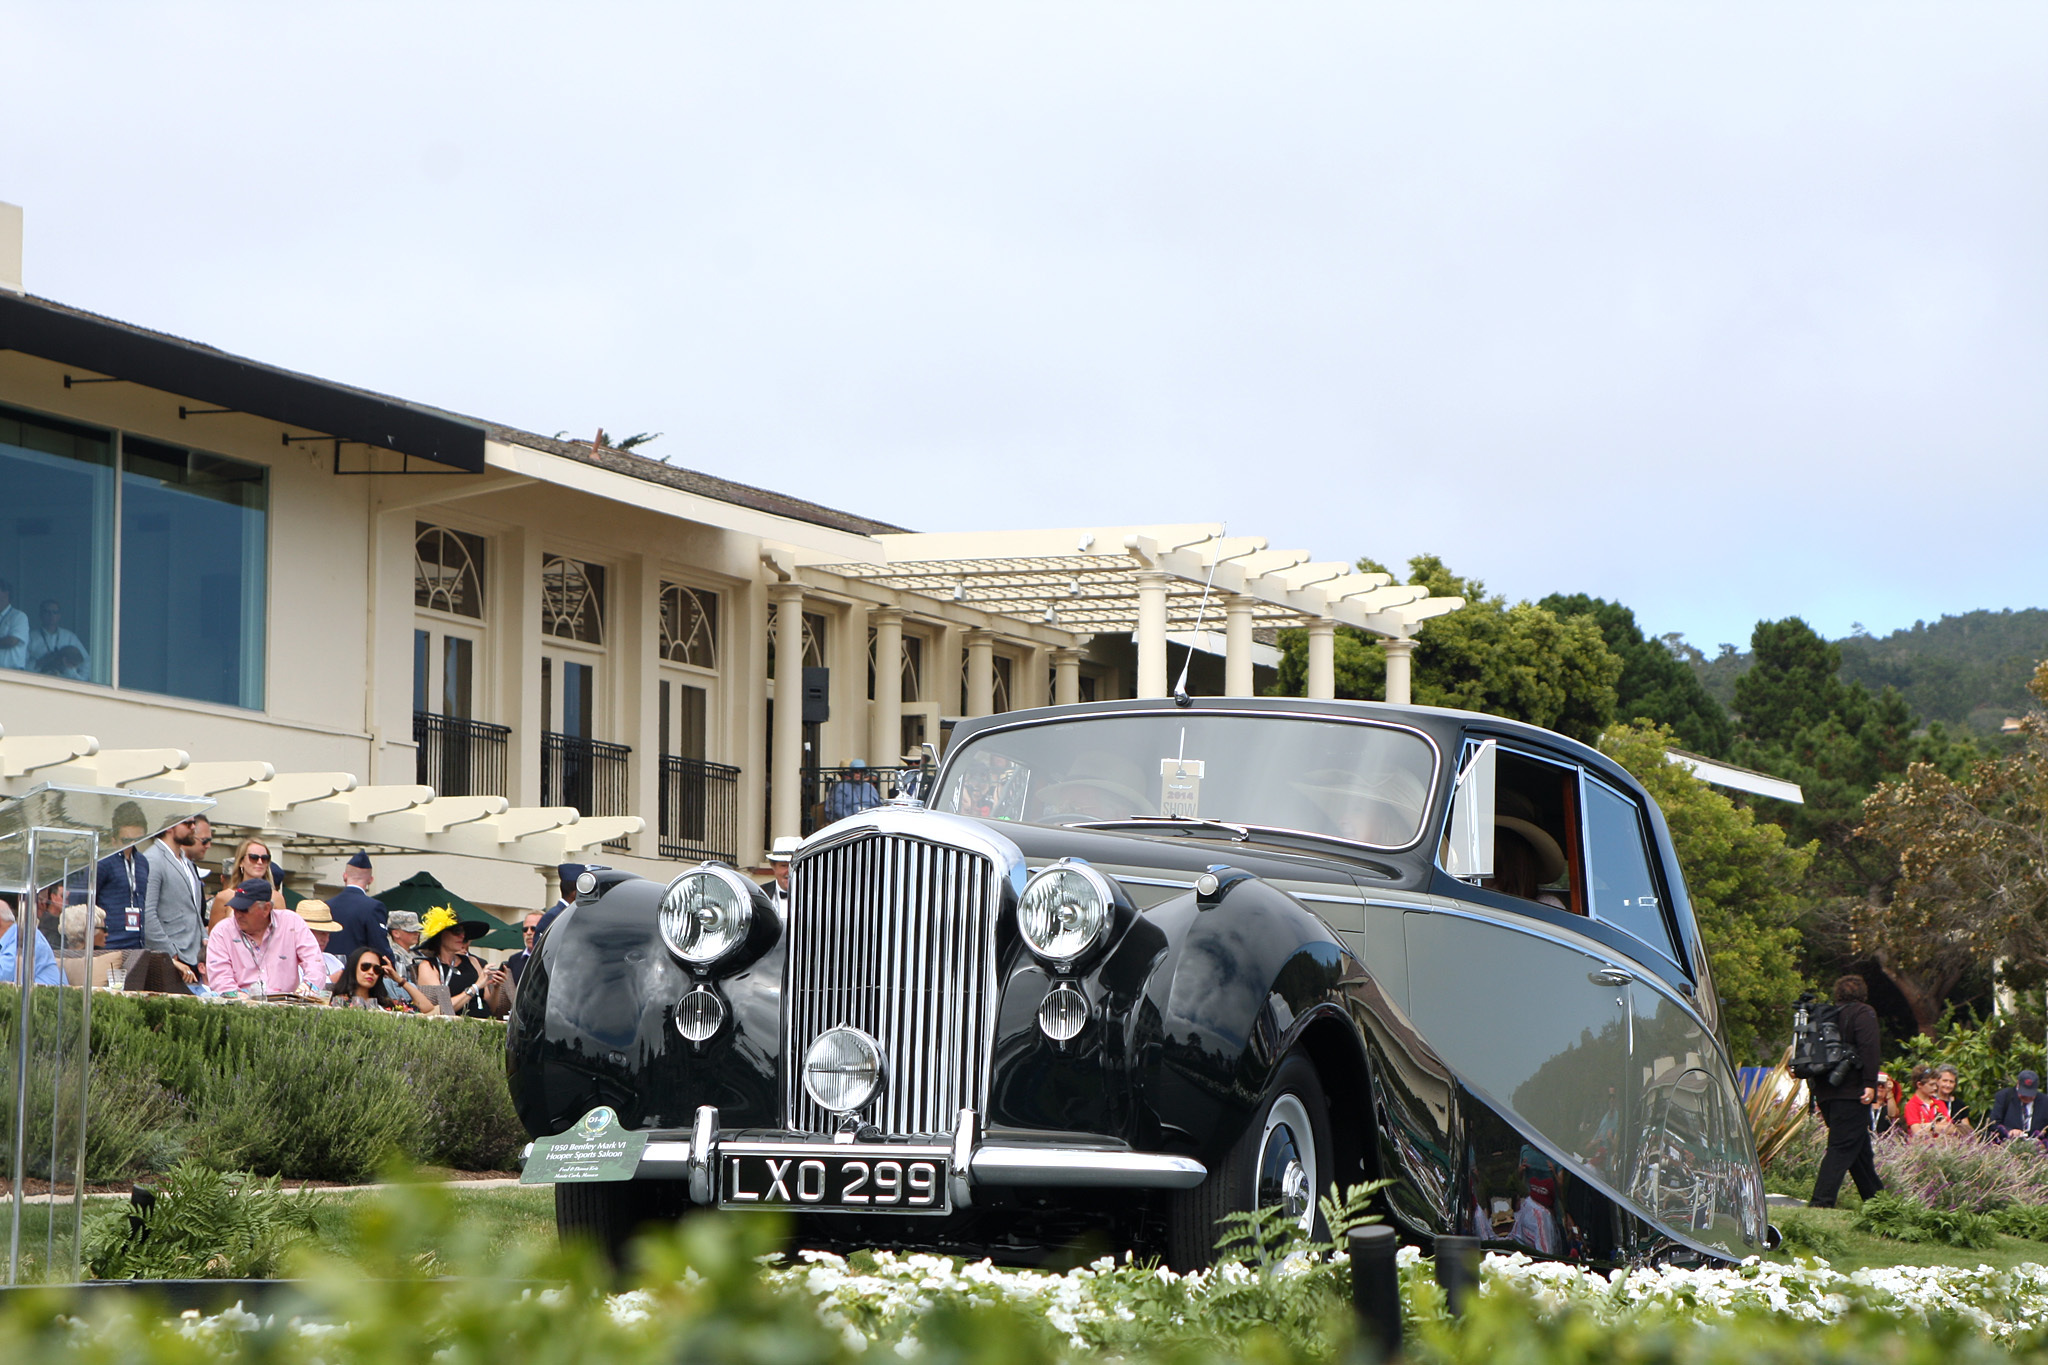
(1521, 661)
(1655, 684)
(1743, 878)
(1797, 719)
(1972, 856)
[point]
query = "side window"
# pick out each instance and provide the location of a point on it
(1622, 881)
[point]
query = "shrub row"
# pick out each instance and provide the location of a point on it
(305, 1093)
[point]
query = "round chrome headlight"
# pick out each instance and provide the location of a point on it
(705, 914)
(843, 1069)
(1064, 912)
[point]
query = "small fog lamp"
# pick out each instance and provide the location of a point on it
(1063, 1013)
(843, 1070)
(700, 1014)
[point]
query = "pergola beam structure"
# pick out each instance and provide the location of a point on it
(322, 811)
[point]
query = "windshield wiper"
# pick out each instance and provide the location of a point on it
(1240, 833)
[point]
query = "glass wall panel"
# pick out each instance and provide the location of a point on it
(420, 643)
(458, 676)
(56, 547)
(194, 540)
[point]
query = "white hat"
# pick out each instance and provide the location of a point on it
(781, 849)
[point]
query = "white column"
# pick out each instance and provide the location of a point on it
(637, 647)
(885, 715)
(848, 728)
(981, 672)
(1322, 658)
(519, 644)
(1030, 686)
(1400, 660)
(1066, 667)
(1237, 646)
(787, 777)
(743, 667)
(1151, 633)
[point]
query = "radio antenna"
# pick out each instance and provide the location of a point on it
(1180, 689)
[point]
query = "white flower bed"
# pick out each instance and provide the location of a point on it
(883, 1301)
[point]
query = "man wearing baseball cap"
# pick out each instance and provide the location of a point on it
(262, 948)
(2017, 1111)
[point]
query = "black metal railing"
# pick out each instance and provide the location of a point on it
(588, 774)
(835, 793)
(700, 809)
(460, 757)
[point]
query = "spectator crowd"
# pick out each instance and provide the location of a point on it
(150, 924)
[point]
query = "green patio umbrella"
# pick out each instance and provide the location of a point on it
(421, 892)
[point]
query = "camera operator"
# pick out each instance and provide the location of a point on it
(1844, 1098)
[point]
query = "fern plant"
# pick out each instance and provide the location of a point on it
(203, 1225)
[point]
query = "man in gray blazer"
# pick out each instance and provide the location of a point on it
(173, 914)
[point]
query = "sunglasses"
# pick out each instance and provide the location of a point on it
(253, 857)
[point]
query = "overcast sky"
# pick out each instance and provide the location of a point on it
(1729, 312)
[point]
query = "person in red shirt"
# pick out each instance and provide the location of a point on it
(1927, 1113)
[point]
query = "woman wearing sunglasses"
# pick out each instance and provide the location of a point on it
(252, 863)
(367, 982)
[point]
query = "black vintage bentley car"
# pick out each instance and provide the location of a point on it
(1130, 966)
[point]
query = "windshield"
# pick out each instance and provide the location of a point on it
(1363, 783)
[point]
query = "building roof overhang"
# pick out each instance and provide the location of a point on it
(316, 409)
(1086, 580)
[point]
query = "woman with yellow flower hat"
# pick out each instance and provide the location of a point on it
(446, 969)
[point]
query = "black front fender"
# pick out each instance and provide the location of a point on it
(594, 1022)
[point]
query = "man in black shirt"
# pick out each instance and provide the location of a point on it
(1845, 1108)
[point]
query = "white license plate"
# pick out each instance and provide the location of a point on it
(811, 1179)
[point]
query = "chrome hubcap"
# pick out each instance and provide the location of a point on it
(1287, 1163)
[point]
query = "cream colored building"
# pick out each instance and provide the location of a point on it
(358, 621)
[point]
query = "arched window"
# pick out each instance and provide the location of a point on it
(689, 625)
(448, 571)
(571, 599)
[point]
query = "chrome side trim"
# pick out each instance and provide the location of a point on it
(995, 1165)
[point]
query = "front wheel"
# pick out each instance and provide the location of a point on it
(1282, 1160)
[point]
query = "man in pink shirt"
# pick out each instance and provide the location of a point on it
(261, 949)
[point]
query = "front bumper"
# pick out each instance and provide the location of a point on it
(975, 1160)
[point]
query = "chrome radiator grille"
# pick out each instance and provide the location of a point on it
(894, 936)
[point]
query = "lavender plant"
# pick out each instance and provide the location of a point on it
(1962, 1174)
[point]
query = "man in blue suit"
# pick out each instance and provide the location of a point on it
(361, 916)
(2019, 1111)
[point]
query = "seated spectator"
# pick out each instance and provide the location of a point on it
(252, 862)
(13, 629)
(516, 964)
(1946, 1078)
(1884, 1113)
(405, 941)
(324, 927)
(368, 982)
(53, 649)
(77, 957)
(448, 971)
(50, 913)
(262, 949)
(1927, 1113)
(2018, 1111)
(45, 971)
(853, 793)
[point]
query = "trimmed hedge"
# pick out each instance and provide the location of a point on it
(303, 1092)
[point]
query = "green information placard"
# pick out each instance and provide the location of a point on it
(598, 1147)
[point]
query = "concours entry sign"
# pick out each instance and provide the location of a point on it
(596, 1147)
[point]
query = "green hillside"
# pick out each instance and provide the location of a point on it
(1969, 670)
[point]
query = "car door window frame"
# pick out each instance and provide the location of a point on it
(1652, 862)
